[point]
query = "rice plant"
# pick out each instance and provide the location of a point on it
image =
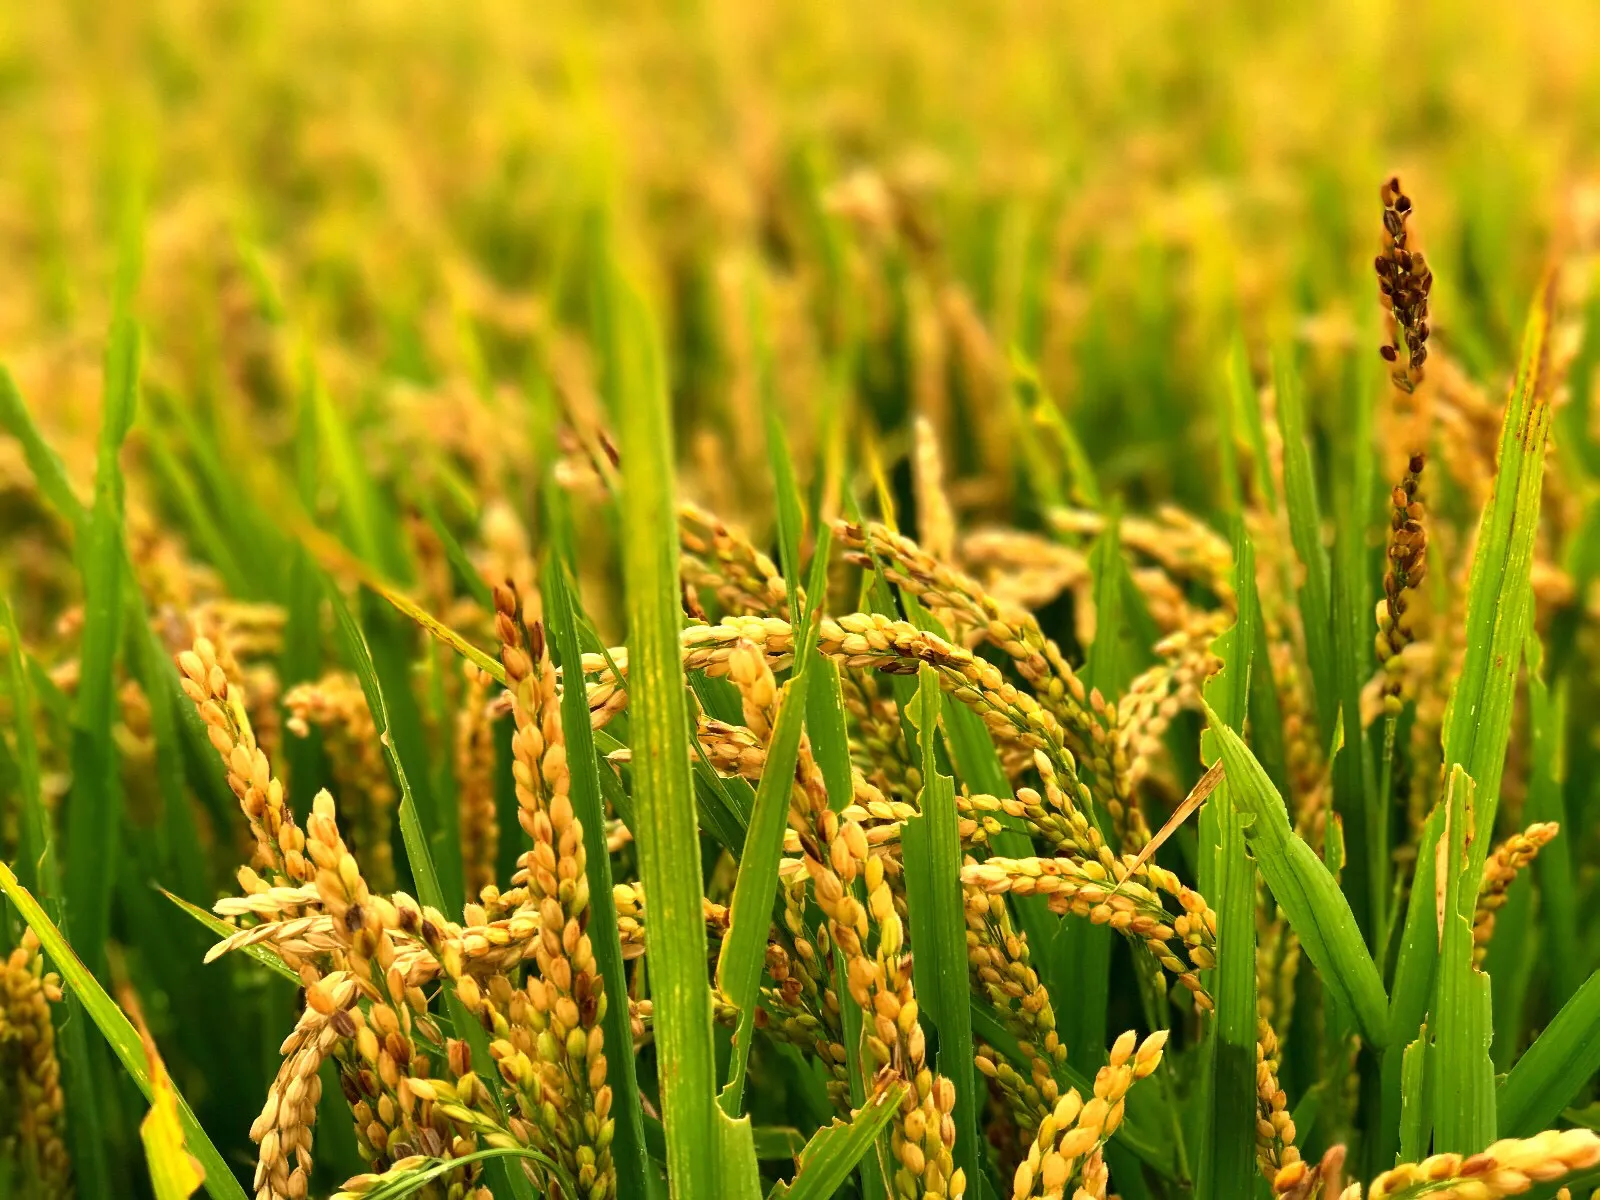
(758, 604)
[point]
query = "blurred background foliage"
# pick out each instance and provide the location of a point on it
(408, 197)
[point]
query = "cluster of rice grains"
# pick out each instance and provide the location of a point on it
(1404, 281)
(1085, 775)
(31, 1114)
(1505, 1168)
(520, 961)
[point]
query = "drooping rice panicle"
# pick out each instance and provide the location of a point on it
(336, 705)
(629, 901)
(893, 1039)
(280, 845)
(1067, 1149)
(1506, 1168)
(999, 958)
(1024, 569)
(1084, 717)
(1408, 563)
(35, 1137)
(1499, 873)
(1184, 546)
(1275, 1132)
(723, 562)
(878, 739)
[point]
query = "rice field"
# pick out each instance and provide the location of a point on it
(785, 602)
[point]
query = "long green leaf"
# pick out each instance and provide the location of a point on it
(1054, 483)
(1416, 1105)
(240, 517)
(832, 1152)
(1113, 659)
(1305, 890)
(1412, 990)
(932, 847)
(37, 866)
(197, 514)
(1266, 710)
(561, 608)
(119, 1032)
(42, 461)
(1463, 1113)
(1233, 379)
(1247, 404)
(94, 813)
(1227, 1147)
(1552, 870)
(666, 833)
(466, 574)
(393, 654)
(185, 856)
(830, 735)
(340, 458)
(94, 807)
(1228, 691)
(744, 950)
(1305, 530)
(830, 743)
(1499, 601)
(1555, 1068)
(791, 513)
(339, 562)
(1358, 802)
(1478, 720)
(420, 858)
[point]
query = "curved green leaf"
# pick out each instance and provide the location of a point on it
(119, 1032)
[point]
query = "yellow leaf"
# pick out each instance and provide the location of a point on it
(174, 1172)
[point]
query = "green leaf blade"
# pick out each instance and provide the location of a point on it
(1555, 1068)
(1227, 1149)
(932, 848)
(94, 815)
(1305, 529)
(561, 608)
(832, 1153)
(1303, 887)
(1478, 718)
(667, 834)
(743, 953)
(1463, 1092)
